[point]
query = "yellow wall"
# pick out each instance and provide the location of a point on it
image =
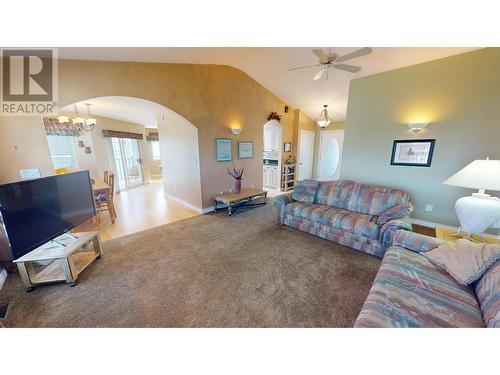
(459, 96)
(211, 97)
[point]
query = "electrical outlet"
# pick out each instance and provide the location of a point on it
(429, 207)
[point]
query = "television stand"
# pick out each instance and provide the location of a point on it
(62, 259)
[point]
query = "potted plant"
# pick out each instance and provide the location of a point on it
(237, 174)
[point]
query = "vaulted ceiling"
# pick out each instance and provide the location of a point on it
(270, 67)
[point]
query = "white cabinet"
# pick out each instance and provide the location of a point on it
(272, 138)
(271, 176)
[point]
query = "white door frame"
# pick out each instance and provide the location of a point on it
(299, 156)
(319, 149)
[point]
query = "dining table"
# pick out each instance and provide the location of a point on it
(100, 187)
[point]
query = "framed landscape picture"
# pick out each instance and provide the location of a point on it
(413, 152)
(245, 150)
(224, 149)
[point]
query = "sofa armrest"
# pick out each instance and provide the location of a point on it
(396, 212)
(389, 229)
(280, 202)
(415, 241)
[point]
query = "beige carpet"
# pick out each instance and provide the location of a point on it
(208, 271)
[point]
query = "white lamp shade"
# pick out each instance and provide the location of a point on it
(480, 174)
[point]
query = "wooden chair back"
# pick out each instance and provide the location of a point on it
(111, 183)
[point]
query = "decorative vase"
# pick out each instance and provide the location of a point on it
(237, 185)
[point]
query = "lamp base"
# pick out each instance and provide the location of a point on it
(478, 212)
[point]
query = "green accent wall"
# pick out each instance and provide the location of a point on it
(459, 96)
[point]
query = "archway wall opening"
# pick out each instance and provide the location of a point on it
(213, 98)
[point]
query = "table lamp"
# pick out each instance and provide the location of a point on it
(479, 211)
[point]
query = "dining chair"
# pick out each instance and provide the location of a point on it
(105, 202)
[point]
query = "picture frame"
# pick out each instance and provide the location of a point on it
(245, 150)
(224, 149)
(413, 152)
(287, 147)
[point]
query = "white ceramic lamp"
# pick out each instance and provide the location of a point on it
(479, 211)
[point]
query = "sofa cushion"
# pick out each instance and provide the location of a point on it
(305, 191)
(488, 295)
(364, 225)
(310, 211)
(410, 291)
(365, 199)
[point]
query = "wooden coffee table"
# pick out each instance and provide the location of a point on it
(65, 257)
(244, 199)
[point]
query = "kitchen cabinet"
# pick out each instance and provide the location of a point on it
(271, 176)
(272, 138)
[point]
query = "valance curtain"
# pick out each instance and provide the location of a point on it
(152, 136)
(54, 127)
(119, 134)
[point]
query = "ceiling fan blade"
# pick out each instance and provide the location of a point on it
(348, 68)
(304, 67)
(319, 74)
(320, 54)
(352, 55)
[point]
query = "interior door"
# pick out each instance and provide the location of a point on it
(330, 154)
(306, 154)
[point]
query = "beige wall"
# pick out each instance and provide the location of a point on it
(153, 166)
(459, 96)
(211, 97)
(180, 159)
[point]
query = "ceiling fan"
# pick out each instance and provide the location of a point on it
(331, 60)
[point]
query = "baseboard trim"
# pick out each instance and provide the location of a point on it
(433, 225)
(3, 277)
(183, 202)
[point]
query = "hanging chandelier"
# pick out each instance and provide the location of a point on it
(323, 120)
(82, 123)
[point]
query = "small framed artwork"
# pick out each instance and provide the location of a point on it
(413, 152)
(224, 149)
(245, 150)
(287, 147)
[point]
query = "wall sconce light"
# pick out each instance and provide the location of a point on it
(236, 131)
(417, 126)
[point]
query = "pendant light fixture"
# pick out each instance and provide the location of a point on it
(86, 123)
(323, 120)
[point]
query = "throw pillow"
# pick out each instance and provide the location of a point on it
(464, 260)
(396, 212)
(305, 191)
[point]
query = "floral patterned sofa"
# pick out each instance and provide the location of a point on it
(410, 291)
(360, 216)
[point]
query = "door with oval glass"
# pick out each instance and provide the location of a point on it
(330, 154)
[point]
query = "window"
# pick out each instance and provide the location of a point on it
(156, 150)
(62, 151)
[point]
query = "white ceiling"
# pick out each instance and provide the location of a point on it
(122, 108)
(269, 66)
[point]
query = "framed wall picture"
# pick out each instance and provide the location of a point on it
(245, 150)
(287, 147)
(224, 149)
(413, 152)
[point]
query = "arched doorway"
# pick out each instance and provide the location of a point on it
(138, 140)
(272, 156)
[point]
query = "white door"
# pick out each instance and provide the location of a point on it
(127, 160)
(276, 139)
(330, 154)
(306, 153)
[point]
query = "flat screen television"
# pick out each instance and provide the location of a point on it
(36, 211)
